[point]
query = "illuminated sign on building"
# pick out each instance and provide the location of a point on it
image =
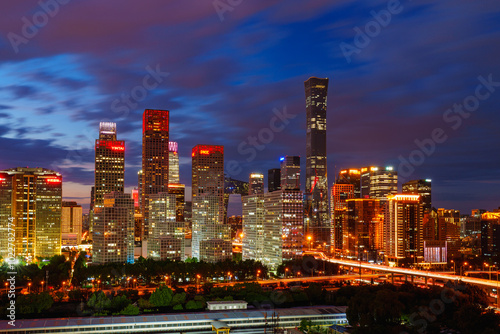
(53, 180)
(116, 145)
(173, 146)
(207, 150)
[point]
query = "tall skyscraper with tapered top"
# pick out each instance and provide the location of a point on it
(155, 157)
(317, 221)
(109, 164)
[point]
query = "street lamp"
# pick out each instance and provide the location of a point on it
(42, 285)
(228, 276)
(310, 241)
(258, 273)
(454, 268)
(29, 286)
(462, 267)
(286, 270)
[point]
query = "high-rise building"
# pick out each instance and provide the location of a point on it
(109, 164)
(166, 239)
(253, 227)
(283, 226)
(290, 172)
(113, 233)
(155, 158)
(378, 182)
(443, 225)
(208, 218)
(30, 207)
(173, 162)
(71, 224)
(490, 235)
(256, 184)
(422, 188)
(351, 176)
(179, 191)
(209, 230)
(316, 90)
(273, 179)
(341, 192)
(363, 228)
(403, 228)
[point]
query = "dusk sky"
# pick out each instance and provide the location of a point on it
(225, 68)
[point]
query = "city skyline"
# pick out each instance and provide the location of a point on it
(238, 74)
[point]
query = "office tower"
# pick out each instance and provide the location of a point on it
(208, 219)
(139, 188)
(233, 186)
(236, 226)
(490, 235)
(92, 196)
(30, 207)
(290, 173)
(351, 176)
(71, 224)
(155, 156)
(363, 228)
(179, 191)
(273, 179)
(256, 184)
(422, 188)
(378, 182)
(340, 194)
(283, 226)
(316, 191)
(113, 233)
(173, 163)
(209, 233)
(109, 163)
(443, 225)
(253, 227)
(403, 232)
(166, 239)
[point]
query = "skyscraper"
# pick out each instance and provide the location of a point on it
(256, 184)
(109, 163)
(155, 156)
(403, 228)
(341, 192)
(211, 235)
(422, 188)
(167, 234)
(378, 182)
(253, 227)
(283, 226)
(71, 224)
(173, 162)
(290, 172)
(273, 179)
(113, 233)
(30, 207)
(316, 90)
(351, 176)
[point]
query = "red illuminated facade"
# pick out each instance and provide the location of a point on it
(109, 164)
(155, 159)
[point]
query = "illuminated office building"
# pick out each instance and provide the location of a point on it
(341, 192)
(71, 224)
(109, 164)
(363, 228)
(30, 207)
(351, 176)
(256, 184)
(166, 239)
(422, 188)
(490, 235)
(283, 227)
(316, 191)
(253, 227)
(209, 230)
(403, 228)
(173, 162)
(290, 173)
(113, 233)
(155, 158)
(443, 225)
(378, 182)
